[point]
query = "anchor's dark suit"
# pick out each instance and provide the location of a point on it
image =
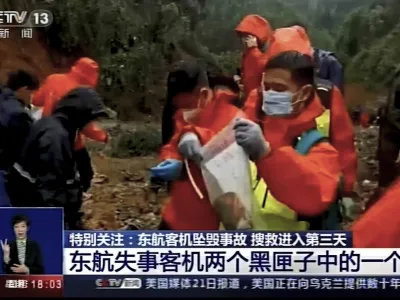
(33, 258)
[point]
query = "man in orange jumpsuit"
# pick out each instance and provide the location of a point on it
(255, 33)
(282, 110)
(85, 72)
(341, 130)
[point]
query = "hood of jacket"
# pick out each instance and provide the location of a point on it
(292, 38)
(85, 72)
(78, 108)
(257, 26)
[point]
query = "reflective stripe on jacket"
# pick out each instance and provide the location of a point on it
(268, 212)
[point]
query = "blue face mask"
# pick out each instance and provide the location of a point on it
(277, 103)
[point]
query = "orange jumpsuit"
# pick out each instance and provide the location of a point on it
(379, 227)
(253, 59)
(185, 210)
(306, 184)
(84, 72)
(341, 128)
(342, 137)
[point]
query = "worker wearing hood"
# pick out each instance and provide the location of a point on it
(335, 119)
(45, 174)
(85, 72)
(255, 33)
(300, 188)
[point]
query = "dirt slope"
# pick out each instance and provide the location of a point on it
(28, 54)
(120, 196)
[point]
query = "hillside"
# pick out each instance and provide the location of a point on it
(32, 55)
(368, 43)
(136, 41)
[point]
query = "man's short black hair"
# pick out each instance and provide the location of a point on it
(20, 78)
(301, 66)
(19, 219)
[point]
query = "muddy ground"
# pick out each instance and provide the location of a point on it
(120, 197)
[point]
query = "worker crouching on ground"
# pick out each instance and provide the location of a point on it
(45, 174)
(85, 72)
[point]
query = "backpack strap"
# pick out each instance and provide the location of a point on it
(307, 140)
(329, 220)
(324, 90)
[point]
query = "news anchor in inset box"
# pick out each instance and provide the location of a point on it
(22, 256)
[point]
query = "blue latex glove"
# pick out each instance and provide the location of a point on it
(167, 170)
(189, 146)
(250, 136)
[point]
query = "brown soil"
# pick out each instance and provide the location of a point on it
(31, 55)
(120, 197)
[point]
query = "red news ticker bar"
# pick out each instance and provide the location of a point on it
(31, 286)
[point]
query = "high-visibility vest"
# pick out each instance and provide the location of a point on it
(267, 212)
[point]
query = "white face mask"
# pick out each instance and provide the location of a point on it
(277, 103)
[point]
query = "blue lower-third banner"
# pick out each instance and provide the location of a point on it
(227, 286)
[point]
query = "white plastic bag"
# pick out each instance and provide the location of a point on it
(226, 172)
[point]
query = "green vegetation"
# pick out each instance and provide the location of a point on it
(136, 41)
(368, 43)
(142, 142)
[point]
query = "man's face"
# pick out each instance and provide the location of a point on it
(280, 80)
(20, 230)
(25, 95)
